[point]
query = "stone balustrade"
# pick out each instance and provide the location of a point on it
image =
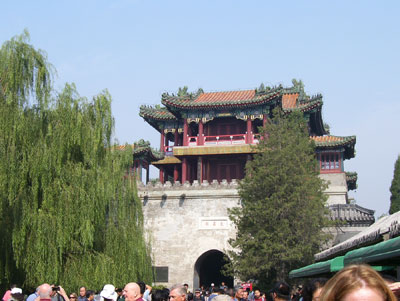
(196, 185)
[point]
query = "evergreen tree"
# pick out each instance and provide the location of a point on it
(69, 213)
(279, 225)
(395, 188)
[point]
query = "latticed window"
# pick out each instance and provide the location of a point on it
(330, 161)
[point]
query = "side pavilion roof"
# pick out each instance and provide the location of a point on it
(329, 141)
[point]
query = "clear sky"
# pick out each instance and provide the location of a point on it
(347, 50)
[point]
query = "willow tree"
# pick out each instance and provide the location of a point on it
(69, 212)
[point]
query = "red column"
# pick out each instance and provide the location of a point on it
(249, 132)
(264, 120)
(162, 141)
(176, 173)
(184, 170)
(201, 138)
(185, 132)
(162, 175)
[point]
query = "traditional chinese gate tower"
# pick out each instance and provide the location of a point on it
(206, 140)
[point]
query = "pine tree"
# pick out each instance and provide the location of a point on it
(69, 214)
(279, 225)
(395, 188)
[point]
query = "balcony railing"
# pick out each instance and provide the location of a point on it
(225, 139)
(216, 140)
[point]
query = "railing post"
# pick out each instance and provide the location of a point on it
(185, 132)
(200, 140)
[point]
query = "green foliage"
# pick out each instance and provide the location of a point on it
(183, 91)
(69, 214)
(279, 225)
(395, 189)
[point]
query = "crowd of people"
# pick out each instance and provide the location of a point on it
(355, 282)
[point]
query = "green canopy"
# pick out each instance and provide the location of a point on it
(329, 266)
(385, 251)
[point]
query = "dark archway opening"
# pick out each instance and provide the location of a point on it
(208, 269)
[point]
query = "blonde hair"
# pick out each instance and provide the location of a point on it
(354, 277)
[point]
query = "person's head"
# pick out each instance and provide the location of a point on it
(90, 295)
(187, 286)
(197, 293)
(257, 293)
(142, 286)
(108, 293)
(312, 290)
(73, 296)
(245, 294)
(159, 295)
(131, 291)
(16, 294)
(355, 282)
(119, 291)
(238, 292)
(45, 291)
(177, 293)
(215, 290)
(82, 291)
(281, 291)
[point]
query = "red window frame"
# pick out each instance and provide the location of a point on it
(330, 162)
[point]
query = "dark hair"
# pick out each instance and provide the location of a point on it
(160, 295)
(18, 296)
(282, 290)
(89, 293)
(215, 289)
(142, 286)
(310, 288)
(118, 290)
(268, 295)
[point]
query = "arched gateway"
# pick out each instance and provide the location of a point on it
(208, 269)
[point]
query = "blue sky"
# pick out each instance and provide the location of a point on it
(346, 50)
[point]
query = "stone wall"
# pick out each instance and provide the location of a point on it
(186, 221)
(337, 190)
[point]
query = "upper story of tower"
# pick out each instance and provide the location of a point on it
(205, 123)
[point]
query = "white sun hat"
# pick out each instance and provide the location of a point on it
(108, 292)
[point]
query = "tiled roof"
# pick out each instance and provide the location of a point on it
(147, 152)
(333, 140)
(371, 235)
(289, 101)
(156, 113)
(236, 96)
(220, 99)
